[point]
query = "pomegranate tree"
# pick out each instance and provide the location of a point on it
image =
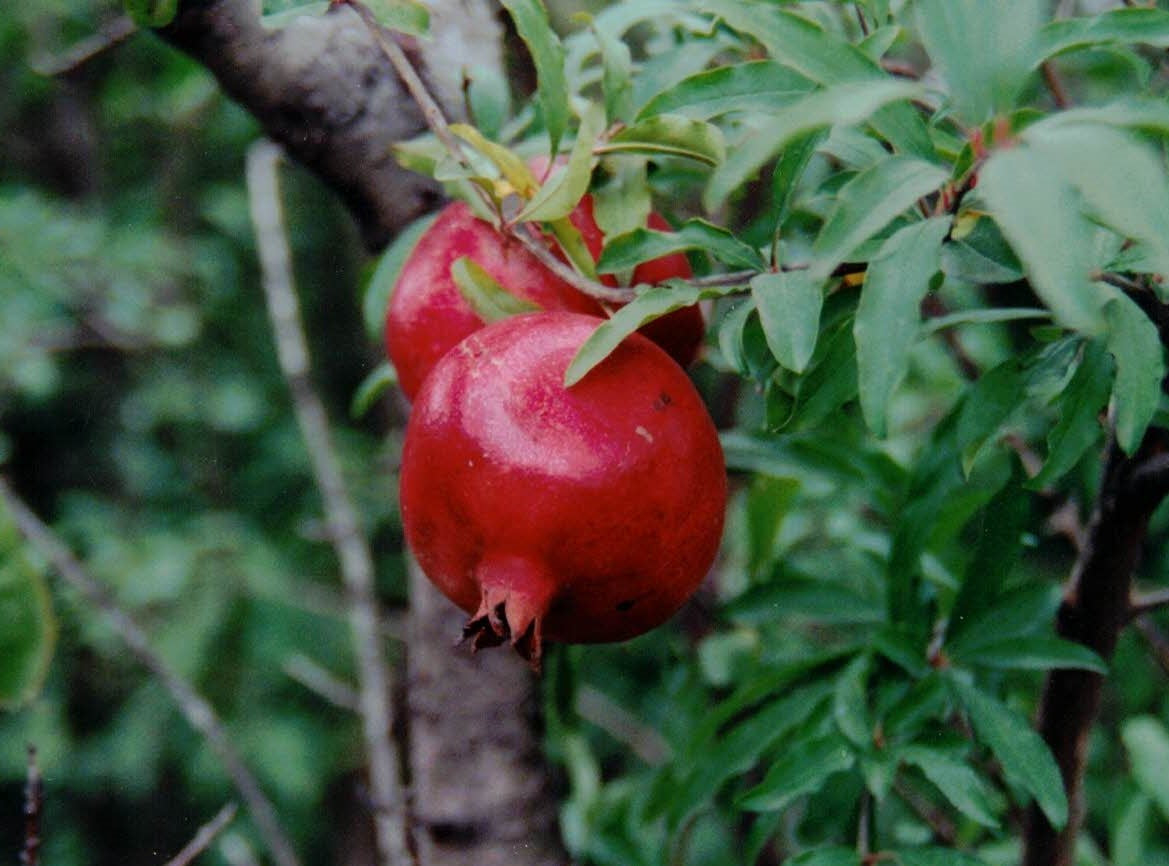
(428, 315)
(581, 515)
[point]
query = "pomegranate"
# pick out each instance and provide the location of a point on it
(581, 515)
(428, 315)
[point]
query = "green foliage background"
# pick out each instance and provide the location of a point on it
(883, 606)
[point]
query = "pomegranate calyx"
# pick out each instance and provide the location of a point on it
(516, 595)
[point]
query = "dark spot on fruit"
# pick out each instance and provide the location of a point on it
(663, 401)
(626, 605)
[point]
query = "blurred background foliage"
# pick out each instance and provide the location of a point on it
(142, 414)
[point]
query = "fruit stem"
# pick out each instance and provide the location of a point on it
(516, 593)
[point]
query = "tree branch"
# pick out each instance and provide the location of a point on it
(191, 704)
(321, 88)
(356, 561)
(1094, 610)
(204, 837)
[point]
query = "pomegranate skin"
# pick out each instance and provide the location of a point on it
(579, 515)
(427, 314)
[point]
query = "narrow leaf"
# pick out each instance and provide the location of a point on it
(985, 408)
(834, 856)
(757, 86)
(888, 317)
(641, 245)
(1040, 216)
(1021, 751)
(1080, 405)
(847, 103)
(1032, 654)
(1116, 27)
(1140, 366)
(382, 377)
(490, 301)
(867, 203)
(563, 191)
(531, 21)
(1147, 742)
(28, 629)
(670, 135)
(959, 784)
(803, 769)
(405, 16)
(376, 295)
(616, 76)
(850, 702)
(789, 305)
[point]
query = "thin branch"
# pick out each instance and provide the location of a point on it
(1059, 93)
(191, 704)
(942, 825)
(205, 836)
(356, 561)
(317, 679)
(34, 801)
(1156, 639)
(567, 273)
(1147, 603)
(598, 708)
(77, 55)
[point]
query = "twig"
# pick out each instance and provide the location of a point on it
(1156, 639)
(77, 55)
(645, 742)
(356, 561)
(567, 273)
(943, 827)
(1059, 94)
(34, 799)
(205, 836)
(1147, 603)
(860, 17)
(191, 704)
(316, 679)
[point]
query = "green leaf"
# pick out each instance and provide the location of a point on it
(277, 14)
(789, 305)
(986, 407)
(737, 749)
(649, 305)
(888, 317)
(151, 13)
(1122, 180)
(850, 702)
(1079, 426)
(1019, 612)
(981, 317)
(380, 379)
(642, 244)
(848, 103)
(623, 203)
(825, 58)
(1116, 27)
(832, 381)
(986, 80)
(28, 629)
(616, 77)
(1130, 831)
(1147, 742)
(789, 169)
(563, 191)
(1021, 751)
(867, 203)
(490, 301)
(1140, 366)
(732, 336)
(531, 22)
(959, 784)
(376, 296)
(488, 99)
(755, 87)
(670, 135)
(1041, 217)
(405, 16)
(817, 601)
(803, 769)
(937, 857)
(1031, 654)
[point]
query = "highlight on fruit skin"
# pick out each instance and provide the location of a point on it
(579, 515)
(427, 314)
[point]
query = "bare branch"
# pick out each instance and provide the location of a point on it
(316, 679)
(1147, 603)
(204, 837)
(77, 55)
(191, 704)
(356, 561)
(596, 707)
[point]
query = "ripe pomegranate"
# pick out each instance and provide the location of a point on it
(581, 515)
(427, 314)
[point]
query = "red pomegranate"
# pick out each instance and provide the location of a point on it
(427, 314)
(580, 515)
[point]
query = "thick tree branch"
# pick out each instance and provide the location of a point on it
(321, 87)
(1094, 610)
